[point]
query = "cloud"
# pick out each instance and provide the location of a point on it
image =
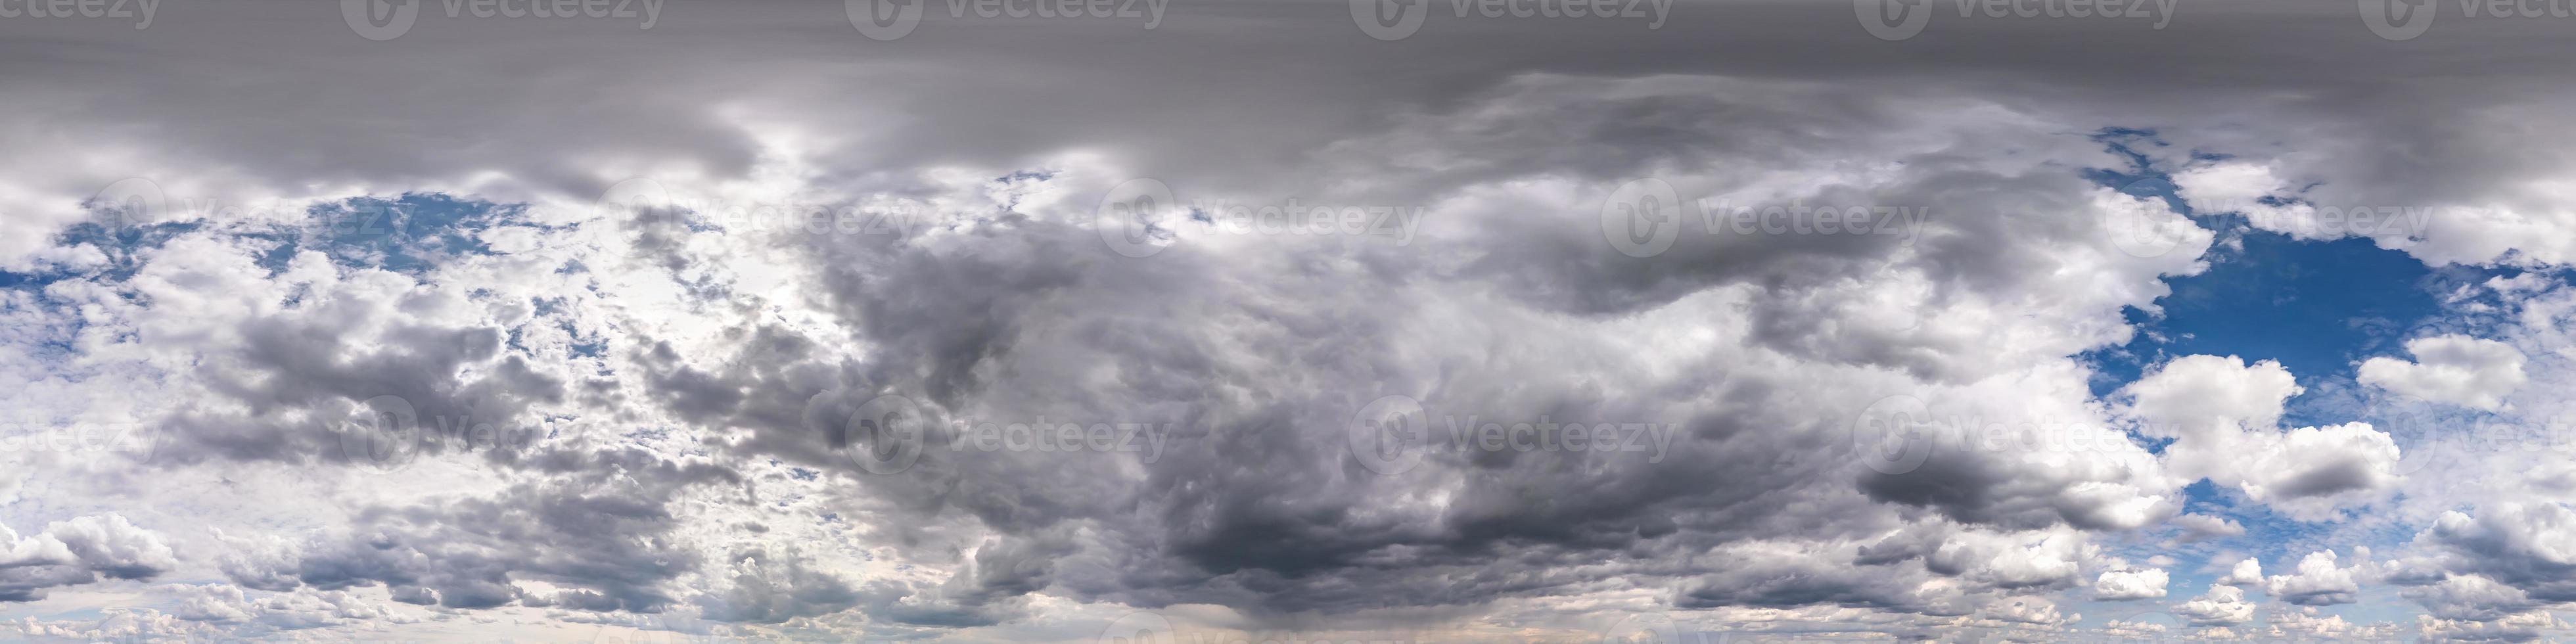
(2117, 585)
(2455, 369)
(2221, 606)
(79, 551)
(385, 288)
(2222, 415)
(2318, 581)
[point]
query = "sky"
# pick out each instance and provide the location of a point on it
(1286, 321)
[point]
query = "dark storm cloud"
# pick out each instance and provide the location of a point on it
(1260, 355)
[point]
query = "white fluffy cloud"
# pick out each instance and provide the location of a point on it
(2142, 583)
(2221, 606)
(2224, 418)
(2455, 369)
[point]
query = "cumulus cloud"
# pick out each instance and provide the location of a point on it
(2223, 417)
(2318, 581)
(79, 551)
(2116, 585)
(2456, 369)
(2221, 606)
(529, 324)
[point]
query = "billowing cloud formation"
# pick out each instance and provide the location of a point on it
(2455, 369)
(2113, 585)
(79, 551)
(750, 325)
